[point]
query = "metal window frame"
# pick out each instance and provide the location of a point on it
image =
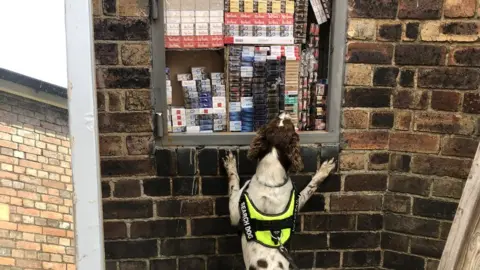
(82, 105)
(334, 98)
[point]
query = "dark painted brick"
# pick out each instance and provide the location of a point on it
(106, 190)
(365, 182)
(185, 186)
(109, 7)
(132, 265)
(158, 228)
(124, 122)
(226, 262)
(373, 9)
(331, 184)
(355, 202)
(165, 264)
(427, 247)
(409, 184)
(460, 28)
(378, 161)
(106, 53)
(471, 103)
(222, 153)
(114, 230)
(186, 161)
(127, 209)
(416, 54)
(390, 32)
(396, 203)
(221, 206)
(370, 53)
(361, 258)
(212, 226)
(350, 240)
(368, 97)
(184, 208)
(441, 166)
(215, 185)
(382, 120)
(182, 247)
(110, 265)
(434, 208)
(445, 230)
(245, 165)
(130, 249)
(411, 30)
(370, 222)
(100, 103)
(309, 158)
(407, 77)
(327, 259)
(427, 9)
(157, 187)
(191, 264)
(121, 29)
(315, 204)
(208, 161)
(166, 160)
(126, 167)
(300, 181)
(120, 77)
(304, 260)
(432, 265)
(411, 225)
(309, 241)
(397, 261)
(394, 241)
(408, 99)
(127, 189)
(328, 222)
(400, 162)
(329, 151)
(460, 147)
(229, 245)
(449, 78)
(385, 76)
(467, 56)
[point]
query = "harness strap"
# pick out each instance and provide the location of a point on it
(272, 225)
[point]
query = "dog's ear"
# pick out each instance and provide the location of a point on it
(293, 153)
(259, 145)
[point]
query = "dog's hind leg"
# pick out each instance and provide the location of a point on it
(230, 164)
(317, 179)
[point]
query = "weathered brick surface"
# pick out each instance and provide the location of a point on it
(410, 112)
(36, 187)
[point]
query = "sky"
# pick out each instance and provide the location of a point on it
(33, 39)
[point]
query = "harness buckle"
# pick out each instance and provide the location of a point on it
(276, 235)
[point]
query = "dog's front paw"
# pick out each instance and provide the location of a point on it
(230, 163)
(324, 170)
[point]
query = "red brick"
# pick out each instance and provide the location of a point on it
(111, 145)
(459, 8)
(53, 184)
(369, 53)
(8, 175)
(52, 199)
(8, 225)
(403, 119)
(53, 249)
(411, 142)
(28, 211)
(29, 228)
(51, 215)
(28, 195)
(28, 245)
(27, 264)
(30, 164)
(460, 147)
(30, 149)
(447, 123)
(54, 232)
(471, 103)
(8, 144)
(53, 169)
(7, 261)
(445, 101)
(8, 191)
(367, 140)
(355, 119)
(54, 266)
(441, 166)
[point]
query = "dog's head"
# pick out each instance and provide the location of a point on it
(279, 133)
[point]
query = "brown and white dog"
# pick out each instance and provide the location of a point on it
(276, 147)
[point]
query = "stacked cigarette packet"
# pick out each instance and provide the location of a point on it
(204, 103)
(193, 23)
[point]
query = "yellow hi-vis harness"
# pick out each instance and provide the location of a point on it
(268, 230)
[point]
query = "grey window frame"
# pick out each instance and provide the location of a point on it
(334, 98)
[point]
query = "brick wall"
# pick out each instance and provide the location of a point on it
(411, 109)
(36, 213)
(410, 130)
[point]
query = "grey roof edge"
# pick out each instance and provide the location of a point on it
(36, 84)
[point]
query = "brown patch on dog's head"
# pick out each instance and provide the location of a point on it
(279, 133)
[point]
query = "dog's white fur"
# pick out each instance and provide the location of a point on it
(269, 200)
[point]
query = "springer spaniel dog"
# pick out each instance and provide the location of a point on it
(266, 206)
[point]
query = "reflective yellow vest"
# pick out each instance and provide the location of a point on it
(267, 229)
